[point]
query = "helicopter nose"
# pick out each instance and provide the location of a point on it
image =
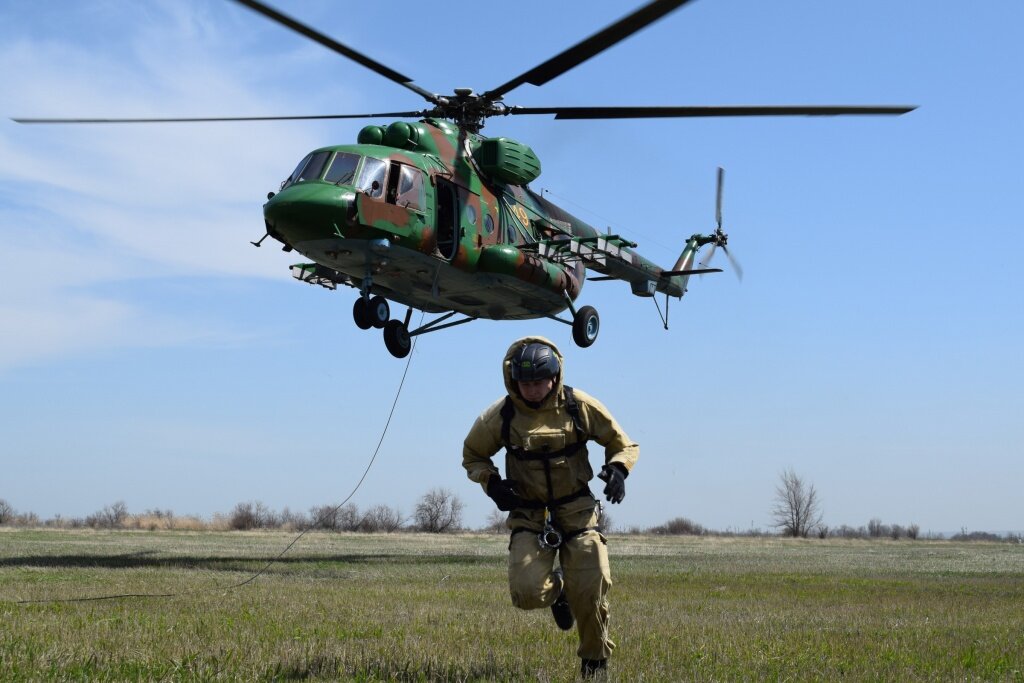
(309, 211)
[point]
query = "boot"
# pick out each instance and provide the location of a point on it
(560, 609)
(590, 667)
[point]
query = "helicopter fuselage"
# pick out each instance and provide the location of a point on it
(409, 214)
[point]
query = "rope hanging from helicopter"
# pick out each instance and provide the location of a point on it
(314, 524)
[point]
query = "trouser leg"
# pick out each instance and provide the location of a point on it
(530, 581)
(588, 577)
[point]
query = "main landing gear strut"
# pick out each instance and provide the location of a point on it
(585, 323)
(370, 311)
(375, 312)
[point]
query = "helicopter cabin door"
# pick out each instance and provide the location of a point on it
(447, 229)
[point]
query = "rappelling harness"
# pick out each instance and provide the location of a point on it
(552, 535)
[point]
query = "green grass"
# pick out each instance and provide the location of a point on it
(423, 608)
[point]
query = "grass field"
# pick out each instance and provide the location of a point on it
(416, 607)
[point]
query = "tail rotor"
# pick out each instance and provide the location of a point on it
(719, 238)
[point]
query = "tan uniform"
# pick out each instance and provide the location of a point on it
(560, 482)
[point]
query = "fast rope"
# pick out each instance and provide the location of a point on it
(313, 524)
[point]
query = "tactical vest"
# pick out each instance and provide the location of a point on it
(508, 410)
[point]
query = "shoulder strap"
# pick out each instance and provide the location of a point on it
(508, 410)
(573, 407)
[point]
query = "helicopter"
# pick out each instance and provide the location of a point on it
(432, 215)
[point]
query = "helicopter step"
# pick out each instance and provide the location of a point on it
(594, 250)
(609, 255)
(316, 274)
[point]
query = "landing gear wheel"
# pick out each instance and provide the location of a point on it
(585, 326)
(378, 312)
(361, 314)
(397, 339)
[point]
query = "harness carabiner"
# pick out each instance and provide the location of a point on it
(550, 538)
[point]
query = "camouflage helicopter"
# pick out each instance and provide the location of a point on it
(432, 215)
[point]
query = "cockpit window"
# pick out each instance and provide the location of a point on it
(410, 189)
(373, 170)
(310, 168)
(314, 168)
(296, 172)
(343, 168)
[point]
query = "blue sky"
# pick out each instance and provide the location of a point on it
(149, 354)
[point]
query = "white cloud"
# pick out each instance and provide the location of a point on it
(87, 206)
(59, 324)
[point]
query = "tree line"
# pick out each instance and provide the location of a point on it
(797, 512)
(437, 511)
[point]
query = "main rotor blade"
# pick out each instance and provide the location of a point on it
(217, 119)
(709, 111)
(334, 45)
(579, 53)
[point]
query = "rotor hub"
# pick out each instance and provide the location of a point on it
(468, 109)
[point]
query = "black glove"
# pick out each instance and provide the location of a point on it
(614, 475)
(501, 492)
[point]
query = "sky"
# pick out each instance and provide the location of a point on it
(149, 354)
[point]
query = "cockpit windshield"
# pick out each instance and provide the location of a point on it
(308, 169)
(296, 172)
(343, 168)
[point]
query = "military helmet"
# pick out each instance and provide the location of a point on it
(534, 361)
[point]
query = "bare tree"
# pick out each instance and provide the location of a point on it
(112, 516)
(348, 517)
(439, 510)
(252, 515)
(335, 518)
(294, 520)
(381, 518)
(679, 526)
(876, 529)
(323, 517)
(495, 522)
(7, 513)
(797, 510)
